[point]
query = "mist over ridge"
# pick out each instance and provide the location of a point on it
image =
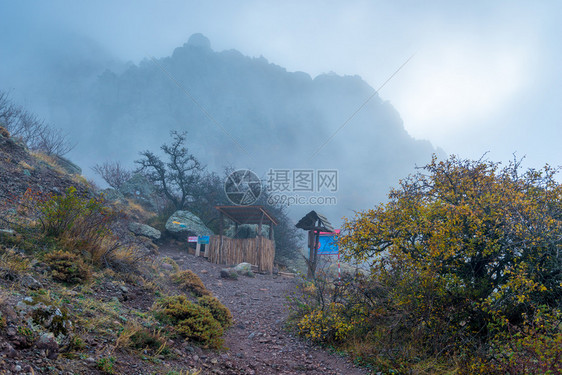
(259, 116)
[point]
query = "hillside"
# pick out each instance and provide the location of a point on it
(80, 295)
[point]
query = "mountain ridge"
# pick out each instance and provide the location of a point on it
(244, 112)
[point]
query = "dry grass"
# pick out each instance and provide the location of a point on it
(24, 165)
(13, 264)
(49, 161)
(138, 211)
(124, 340)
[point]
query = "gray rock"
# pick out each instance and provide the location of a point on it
(30, 282)
(67, 165)
(8, 350)
(184, 223)
(229, 273)
(48, 343)
(144, 230)
(243, 268)
(45, 317)
(113, 195)
(141, 190)
(167, 267)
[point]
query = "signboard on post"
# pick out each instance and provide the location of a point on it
(192, 239)
(203, 240)
(328, 243)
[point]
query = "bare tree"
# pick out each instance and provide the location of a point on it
(32, 130)
(113, 173)
(177, 178)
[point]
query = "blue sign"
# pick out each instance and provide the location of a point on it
(328, 245)
(203, 240)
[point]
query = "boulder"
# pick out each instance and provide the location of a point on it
(43, 316)
(184, 223)
(140, 229)
(141, 190)
(229, 273)
(30, 282)
(243, 268)
(113, 195)
(48, 344)
(67, 165)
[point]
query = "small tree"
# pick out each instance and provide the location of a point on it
(113, 173)
(177, 178)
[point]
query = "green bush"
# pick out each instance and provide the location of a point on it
(463, 260)
(219, 311)
(67, 267)
(189, 281)
(190, 320)
(146, 339)
(106, 364)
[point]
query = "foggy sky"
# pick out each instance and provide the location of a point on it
(485, 76)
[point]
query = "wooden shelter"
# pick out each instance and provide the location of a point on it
(259, 251)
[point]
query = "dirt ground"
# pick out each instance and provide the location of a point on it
(258, 342)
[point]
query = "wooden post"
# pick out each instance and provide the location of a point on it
(310, 272)
(198, 249)
(258, 247)
(221, 219)
(313, 241)
(316, 242)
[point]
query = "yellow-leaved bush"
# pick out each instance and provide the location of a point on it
(463, 255)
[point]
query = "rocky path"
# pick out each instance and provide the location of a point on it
(258, 342)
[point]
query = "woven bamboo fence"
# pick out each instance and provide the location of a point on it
(259, 251)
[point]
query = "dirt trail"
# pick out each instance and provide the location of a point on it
(257, 341)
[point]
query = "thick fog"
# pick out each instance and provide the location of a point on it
(118, 78)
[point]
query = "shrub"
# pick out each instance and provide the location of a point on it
(70, 213)
(531, 348)
(327, 325)
(219, 311)
(146, 339)
(105, 364)
(12, 264)
(190, 320)
(189, 281)
(81, 223)
(466, 254)
(67, 267)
